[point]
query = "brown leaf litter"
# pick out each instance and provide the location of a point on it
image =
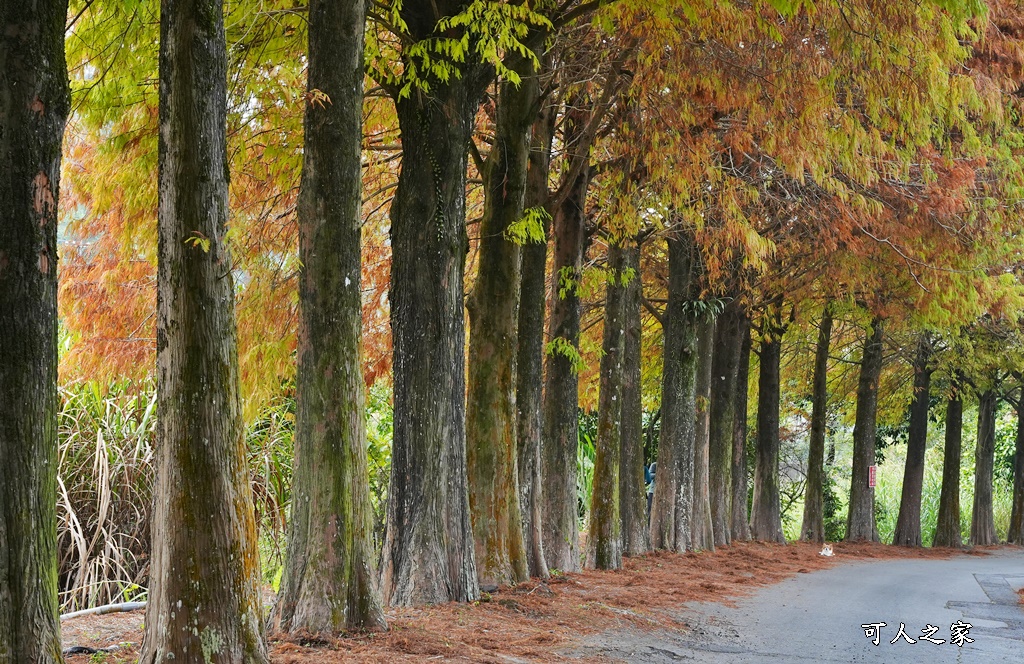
(537, 620)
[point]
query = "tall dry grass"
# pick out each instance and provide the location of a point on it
(104, 492)
(105, 478)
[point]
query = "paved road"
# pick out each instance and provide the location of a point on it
(817, 617)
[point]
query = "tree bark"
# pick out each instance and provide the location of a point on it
(204, 600)
(672, 506)
(724, 367)
(983, 527)
(739, 526)
(561, 398)
(604, 541)
(632, 492)
(813, 528)
(1015, 535)
(766, 511)
(530, 352)
(908, 522)
(330, 582)
(428, 552)
(494, 318)
(702, 532)
(860, 524)
(947, 529)
(34, 102)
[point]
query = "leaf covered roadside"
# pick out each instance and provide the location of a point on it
(540, 621)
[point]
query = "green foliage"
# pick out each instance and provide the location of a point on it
(199, 240)
(1006, 442)
(379, 436)
(568, 282)
(270, 442)
(586, 452)
(704, 308)
(565, 348)
(529, 229)
(483, 32)
(833, 512)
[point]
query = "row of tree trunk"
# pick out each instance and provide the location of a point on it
(860, 521)
(479, 496)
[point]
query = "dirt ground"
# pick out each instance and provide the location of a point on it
(534, 621)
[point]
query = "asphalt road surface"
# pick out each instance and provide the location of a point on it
(818, 617)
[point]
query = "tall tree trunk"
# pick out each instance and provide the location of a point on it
(813, 528)
(632, 492)
(702, 533)
(724, 367)
(672, 506)
(428, 547)
(204, 600)
(860, 524)
(1015, 534)
(739, 526)
(983, 527)
(33, 109)
(604, 543)
(947, 529)
(530, 352)
(494, 318)
(561, 398)
(330, 582)
(908, 523)
(766, 511)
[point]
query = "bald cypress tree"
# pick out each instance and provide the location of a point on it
(330, 580)
(428, 554)
(672, 505)
(947, 527)
(908, 523)
(766, 510)
(204, 601)
(813, 527)
(33, 109)
(983, 527)
(860, 524)
(632, 491)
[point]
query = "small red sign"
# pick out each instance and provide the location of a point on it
(871, 475)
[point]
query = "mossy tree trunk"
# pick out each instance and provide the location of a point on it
(561, 398)
(947, 528)
(860, 523)
(530, 350)
(739, 526)
(494, 317)
(908, 522)
(813, 527)
(724, 367)
(983, 527)
(427, 555)
(33, 109)
(604, 543)
(632, 492)
(204, 599)
(1015, 534)
(330, 581)
(766, 511)
(672, 506)
(702, 529)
